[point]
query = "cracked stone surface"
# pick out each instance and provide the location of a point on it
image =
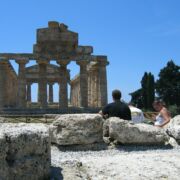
(24, 151)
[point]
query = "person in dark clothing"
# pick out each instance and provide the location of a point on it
(117, 108)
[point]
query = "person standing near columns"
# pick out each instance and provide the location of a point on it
(21, 96)
(63, 90)
(83, 82)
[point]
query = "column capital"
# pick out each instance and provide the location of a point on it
(82, 62)
(63, 62)
(93, 68)
(42, 61)
(22, 60)
(51, 83)
(3, 60)
(102, 62)
(29, 83)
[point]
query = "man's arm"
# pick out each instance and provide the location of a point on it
(128, 114)
(104, 112)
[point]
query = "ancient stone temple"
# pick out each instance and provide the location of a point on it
(54, 43)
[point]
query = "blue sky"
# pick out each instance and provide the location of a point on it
(136, 35)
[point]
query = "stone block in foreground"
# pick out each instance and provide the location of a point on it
(126, 132)
(24, 151)
(173, 128)
(77, 129)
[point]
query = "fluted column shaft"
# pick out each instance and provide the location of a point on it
(21, 96)
(63, 90)
(42, 83)
(103, 83)
(29, 92)
(94, 86)
(50, 92)
(72, 95)
(90, 87)
(3, 65)
(83, 83)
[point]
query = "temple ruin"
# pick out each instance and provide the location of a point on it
(88, 89)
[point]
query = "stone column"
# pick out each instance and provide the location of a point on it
(29, 92)
(3, 65)
(63, 90)
(77, 99)
(71, 94)
(42, 94)
(90, 87)
(50, 93)
(21, 95)
(102, 82)
(83, 82)
(97, 89)
(93, 85)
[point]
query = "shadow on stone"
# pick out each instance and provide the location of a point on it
(56, 173)
(85, 147)
(130, 148)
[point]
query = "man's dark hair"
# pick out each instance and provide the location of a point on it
(116, 94)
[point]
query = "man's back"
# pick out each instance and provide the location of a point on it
(117, 109)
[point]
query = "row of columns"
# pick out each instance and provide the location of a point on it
(89, 89)
(28, 93)
(24, 95)
(63, 90)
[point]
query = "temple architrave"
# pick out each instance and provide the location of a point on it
(54, 43)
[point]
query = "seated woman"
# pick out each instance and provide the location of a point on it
(164, 116)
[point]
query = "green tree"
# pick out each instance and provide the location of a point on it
(150, 90)
(144, 97)
(148, 86)
(136, 98)
(168, 84)
(144, 90)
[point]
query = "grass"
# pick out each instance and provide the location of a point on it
(26, 119)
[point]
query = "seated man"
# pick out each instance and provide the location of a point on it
(117, 108)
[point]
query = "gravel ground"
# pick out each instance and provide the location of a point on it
(122, 163)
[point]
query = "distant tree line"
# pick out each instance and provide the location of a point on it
(167, 88)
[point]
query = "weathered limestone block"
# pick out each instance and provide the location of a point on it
(173, 128)
(53, 24)
(3, 163)
(126, 132)
(77, 129)
(84, 49)
(2, 119)
(175, 121)
(24, 151)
